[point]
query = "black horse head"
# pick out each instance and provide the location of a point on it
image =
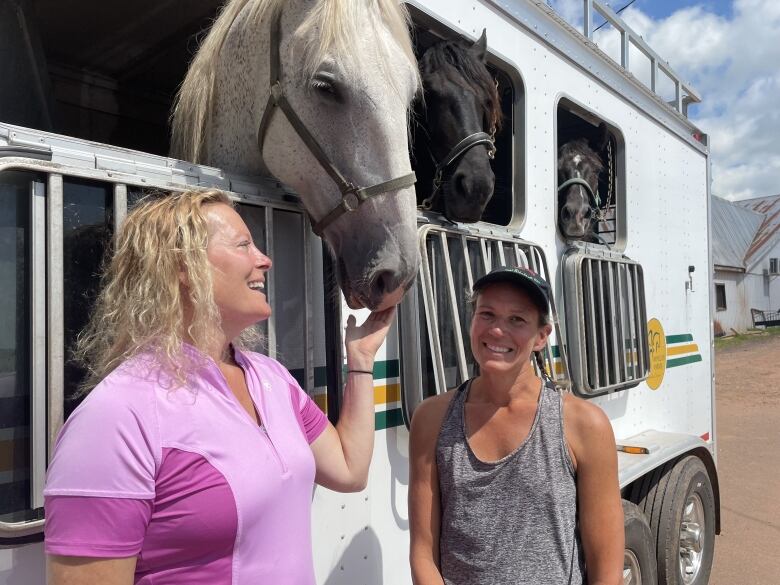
(579, 166)
(462, 113)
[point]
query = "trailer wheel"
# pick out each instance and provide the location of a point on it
(639, 562)
(685, 525)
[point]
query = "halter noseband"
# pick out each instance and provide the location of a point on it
(353, 196)
(455, 153)
(593, 198)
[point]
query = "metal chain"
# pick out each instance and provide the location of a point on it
(601, 213)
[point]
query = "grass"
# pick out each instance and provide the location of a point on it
(740, 338)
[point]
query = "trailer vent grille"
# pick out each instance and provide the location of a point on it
(435, 315)
(606, 321)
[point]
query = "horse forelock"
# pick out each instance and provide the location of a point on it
(569, 153)
(453, 60)
(332, 29)
(329, 29)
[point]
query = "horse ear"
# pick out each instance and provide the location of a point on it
(479, 48)
(600, 138)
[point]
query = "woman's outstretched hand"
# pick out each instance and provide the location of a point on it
(342, 454)
(363, 342)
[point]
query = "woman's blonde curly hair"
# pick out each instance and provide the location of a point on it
(141, 304)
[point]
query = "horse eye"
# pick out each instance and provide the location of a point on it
(325, 83)
(323, 86)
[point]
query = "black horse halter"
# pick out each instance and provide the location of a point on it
(593, 198)
(352, 195)
(455, 153)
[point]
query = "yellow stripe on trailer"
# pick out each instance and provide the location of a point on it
(321, 400)
(681, 349)
(387, 394)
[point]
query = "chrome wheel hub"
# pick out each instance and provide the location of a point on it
(632, 574)
(691, 539)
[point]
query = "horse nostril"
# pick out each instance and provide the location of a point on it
(382, 283)
(566, 214)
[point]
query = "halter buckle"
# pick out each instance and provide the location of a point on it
(346, 202)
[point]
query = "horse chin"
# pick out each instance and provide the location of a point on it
(354, 303)
(472, 217)
(463, 213)
(573, 232)
(391, 299)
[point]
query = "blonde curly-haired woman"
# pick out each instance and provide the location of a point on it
(192, 460)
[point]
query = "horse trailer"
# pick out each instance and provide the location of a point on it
(80, 143)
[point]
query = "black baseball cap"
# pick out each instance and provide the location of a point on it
(533, 284)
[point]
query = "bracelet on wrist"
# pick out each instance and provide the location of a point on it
(360, 372)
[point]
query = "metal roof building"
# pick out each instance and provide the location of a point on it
(734, 229)
(769, 232)
(746, 259)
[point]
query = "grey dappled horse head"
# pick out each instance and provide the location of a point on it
(579, 166)
(461, 100)
(348, 71)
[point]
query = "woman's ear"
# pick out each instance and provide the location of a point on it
(184, 278)
(543, 335)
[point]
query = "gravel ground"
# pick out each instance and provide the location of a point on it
(747, 379)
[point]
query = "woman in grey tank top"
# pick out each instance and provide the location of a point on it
(513, 483)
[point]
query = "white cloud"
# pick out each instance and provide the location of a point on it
(732, 62)
(569, 10)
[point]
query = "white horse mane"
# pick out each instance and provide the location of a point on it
(335, 22)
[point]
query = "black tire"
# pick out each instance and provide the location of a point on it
(639, 560)
(651, 505)
(686, 497)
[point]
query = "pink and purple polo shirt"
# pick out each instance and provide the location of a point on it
(185, 480)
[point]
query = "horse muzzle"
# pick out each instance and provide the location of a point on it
(379, 288)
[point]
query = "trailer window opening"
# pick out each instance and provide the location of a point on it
(720, 297)
(574, 122)
(16, 310)
(507, 204)
(88, 228)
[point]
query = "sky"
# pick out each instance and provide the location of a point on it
(729, 51)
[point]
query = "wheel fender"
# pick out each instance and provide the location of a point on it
(664, 447)
(709, 464)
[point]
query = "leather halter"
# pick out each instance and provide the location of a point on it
(593, 198)
(455, 153)
(353, 196)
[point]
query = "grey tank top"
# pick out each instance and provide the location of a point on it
(512, 521)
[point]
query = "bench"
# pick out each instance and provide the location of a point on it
(765, 318)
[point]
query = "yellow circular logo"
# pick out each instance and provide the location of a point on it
(656, 341)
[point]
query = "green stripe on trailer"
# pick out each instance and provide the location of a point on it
(320, 376)
(689, 359)
(679, 338)
(386, 369)
(388, 418)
